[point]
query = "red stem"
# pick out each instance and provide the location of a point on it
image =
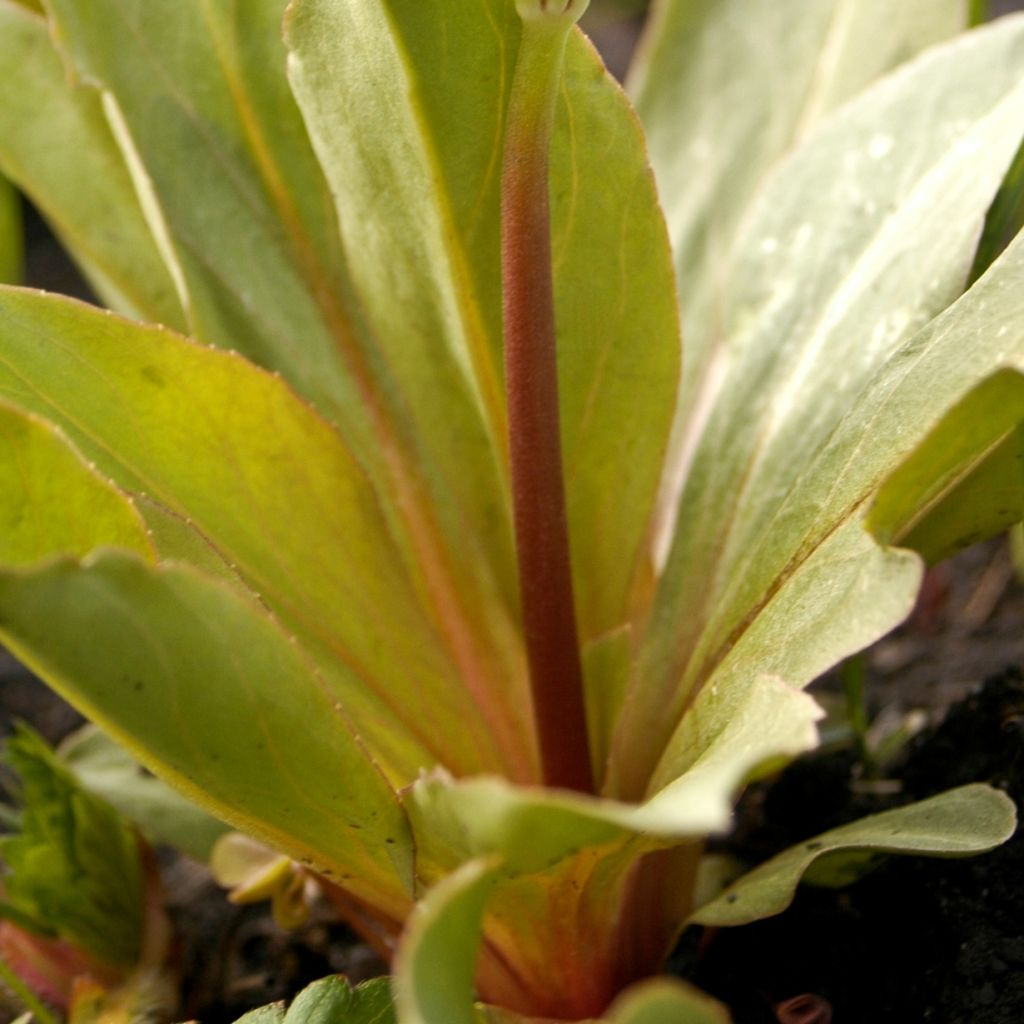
(538, 490)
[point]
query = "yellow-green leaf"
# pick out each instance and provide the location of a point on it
(209, 691)
(270, 485)
(51, 502)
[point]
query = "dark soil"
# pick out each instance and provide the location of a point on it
(917, 940)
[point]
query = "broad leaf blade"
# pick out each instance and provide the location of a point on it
(421, 201)
(209, 691)
(962, 822)
(867, 234)
(726, 90)
(56, 144)
(618, 338)
(216, 145)
(246, 216)
(837, 591)
(51, 502)
(231, 450)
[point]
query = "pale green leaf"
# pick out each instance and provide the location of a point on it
(964, 821)
(745, 733)
(434, 966)
(840, 590)
(210, 692)
(726, 90)
(162, 814)
(666, 1001)
(55, 143)
(51, 502)
(965, 482)
(866, 235)
(230, 450)
(11, 240)
(838, 597)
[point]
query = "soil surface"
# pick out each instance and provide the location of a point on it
(918, 939)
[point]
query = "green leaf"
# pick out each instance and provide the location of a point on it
(666, 1001)
(333, 1001)
(272, 1013)
(247, 219)
(433, 979)
(567, 865)
(865, 236)
(162, 814)
(1005, 217)
(56, 145)
(965, 481)
(420, 202)
(73, 869)
(272, 488)
(217, 150)
(51, 502)
(727, 90)
(745, 734)
(964, 821)
(618, 338)
(11, 240)
(210, 692)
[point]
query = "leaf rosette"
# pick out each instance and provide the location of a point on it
(289, 583)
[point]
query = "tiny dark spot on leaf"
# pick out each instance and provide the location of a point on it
(814, 845)
(154, 376)
(732, 897)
